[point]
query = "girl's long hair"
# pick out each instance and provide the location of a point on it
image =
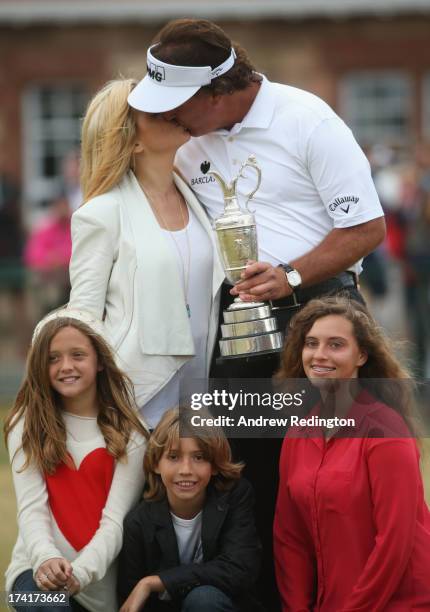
(108, 138)
(44, 433)
(381, 364)
(211, 440)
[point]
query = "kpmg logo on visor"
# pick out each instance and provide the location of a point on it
(156, 73)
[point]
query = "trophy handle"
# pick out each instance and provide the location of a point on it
(251, 162)
(228, 189)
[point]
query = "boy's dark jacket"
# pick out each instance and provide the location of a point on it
(231, 549)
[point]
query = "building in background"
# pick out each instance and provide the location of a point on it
(370, 59)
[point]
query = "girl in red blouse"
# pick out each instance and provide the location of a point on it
(352, 529)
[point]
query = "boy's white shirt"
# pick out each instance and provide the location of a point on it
(39, 537)
(189, 538)
(188, 534)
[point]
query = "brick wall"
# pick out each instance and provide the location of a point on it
(309, 54)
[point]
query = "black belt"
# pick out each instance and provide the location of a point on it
(327, 287)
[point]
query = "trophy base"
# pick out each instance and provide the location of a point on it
(249, 328)
(248, 357)
(251, 345)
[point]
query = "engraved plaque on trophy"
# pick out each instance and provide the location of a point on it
(249, 327)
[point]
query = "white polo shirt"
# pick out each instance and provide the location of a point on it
(315, 177)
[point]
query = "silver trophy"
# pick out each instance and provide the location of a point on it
(249, 327)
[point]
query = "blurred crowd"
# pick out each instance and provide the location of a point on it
(34, 277)
(403, 185)
(34, 262)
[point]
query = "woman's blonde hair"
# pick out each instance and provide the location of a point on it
(212, 442)
(108, 138)
(381, 363)
(44, 433)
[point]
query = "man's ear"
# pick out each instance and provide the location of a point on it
(217, 100)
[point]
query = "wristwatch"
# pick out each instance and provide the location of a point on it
(293, 276)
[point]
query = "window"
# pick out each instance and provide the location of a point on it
(377, 106)
(51, 129)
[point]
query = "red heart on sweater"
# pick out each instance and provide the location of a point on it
(77, 496)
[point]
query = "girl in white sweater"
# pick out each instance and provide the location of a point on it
(76, 448)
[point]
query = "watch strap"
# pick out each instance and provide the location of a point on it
(287, 268)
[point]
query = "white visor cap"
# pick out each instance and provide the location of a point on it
(167, 86)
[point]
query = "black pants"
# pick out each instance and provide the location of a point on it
(261, 455)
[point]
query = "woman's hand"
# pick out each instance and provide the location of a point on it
(73, 586)
(141, 592)
(53, 574)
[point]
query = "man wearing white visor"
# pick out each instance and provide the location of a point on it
(183, 83)
(317, 210)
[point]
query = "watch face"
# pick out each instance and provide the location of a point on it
(294, 278)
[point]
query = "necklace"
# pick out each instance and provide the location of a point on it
(185, 269)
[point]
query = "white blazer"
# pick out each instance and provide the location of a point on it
(123, 271)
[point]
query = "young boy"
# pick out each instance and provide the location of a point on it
(191, 544)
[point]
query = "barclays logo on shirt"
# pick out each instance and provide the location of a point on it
(200, 180)
(344, 203)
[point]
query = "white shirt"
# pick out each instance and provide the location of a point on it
(39, 536)
(315, 177)
(189, 537)
(190, 247)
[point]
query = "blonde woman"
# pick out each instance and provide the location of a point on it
(143, 254)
